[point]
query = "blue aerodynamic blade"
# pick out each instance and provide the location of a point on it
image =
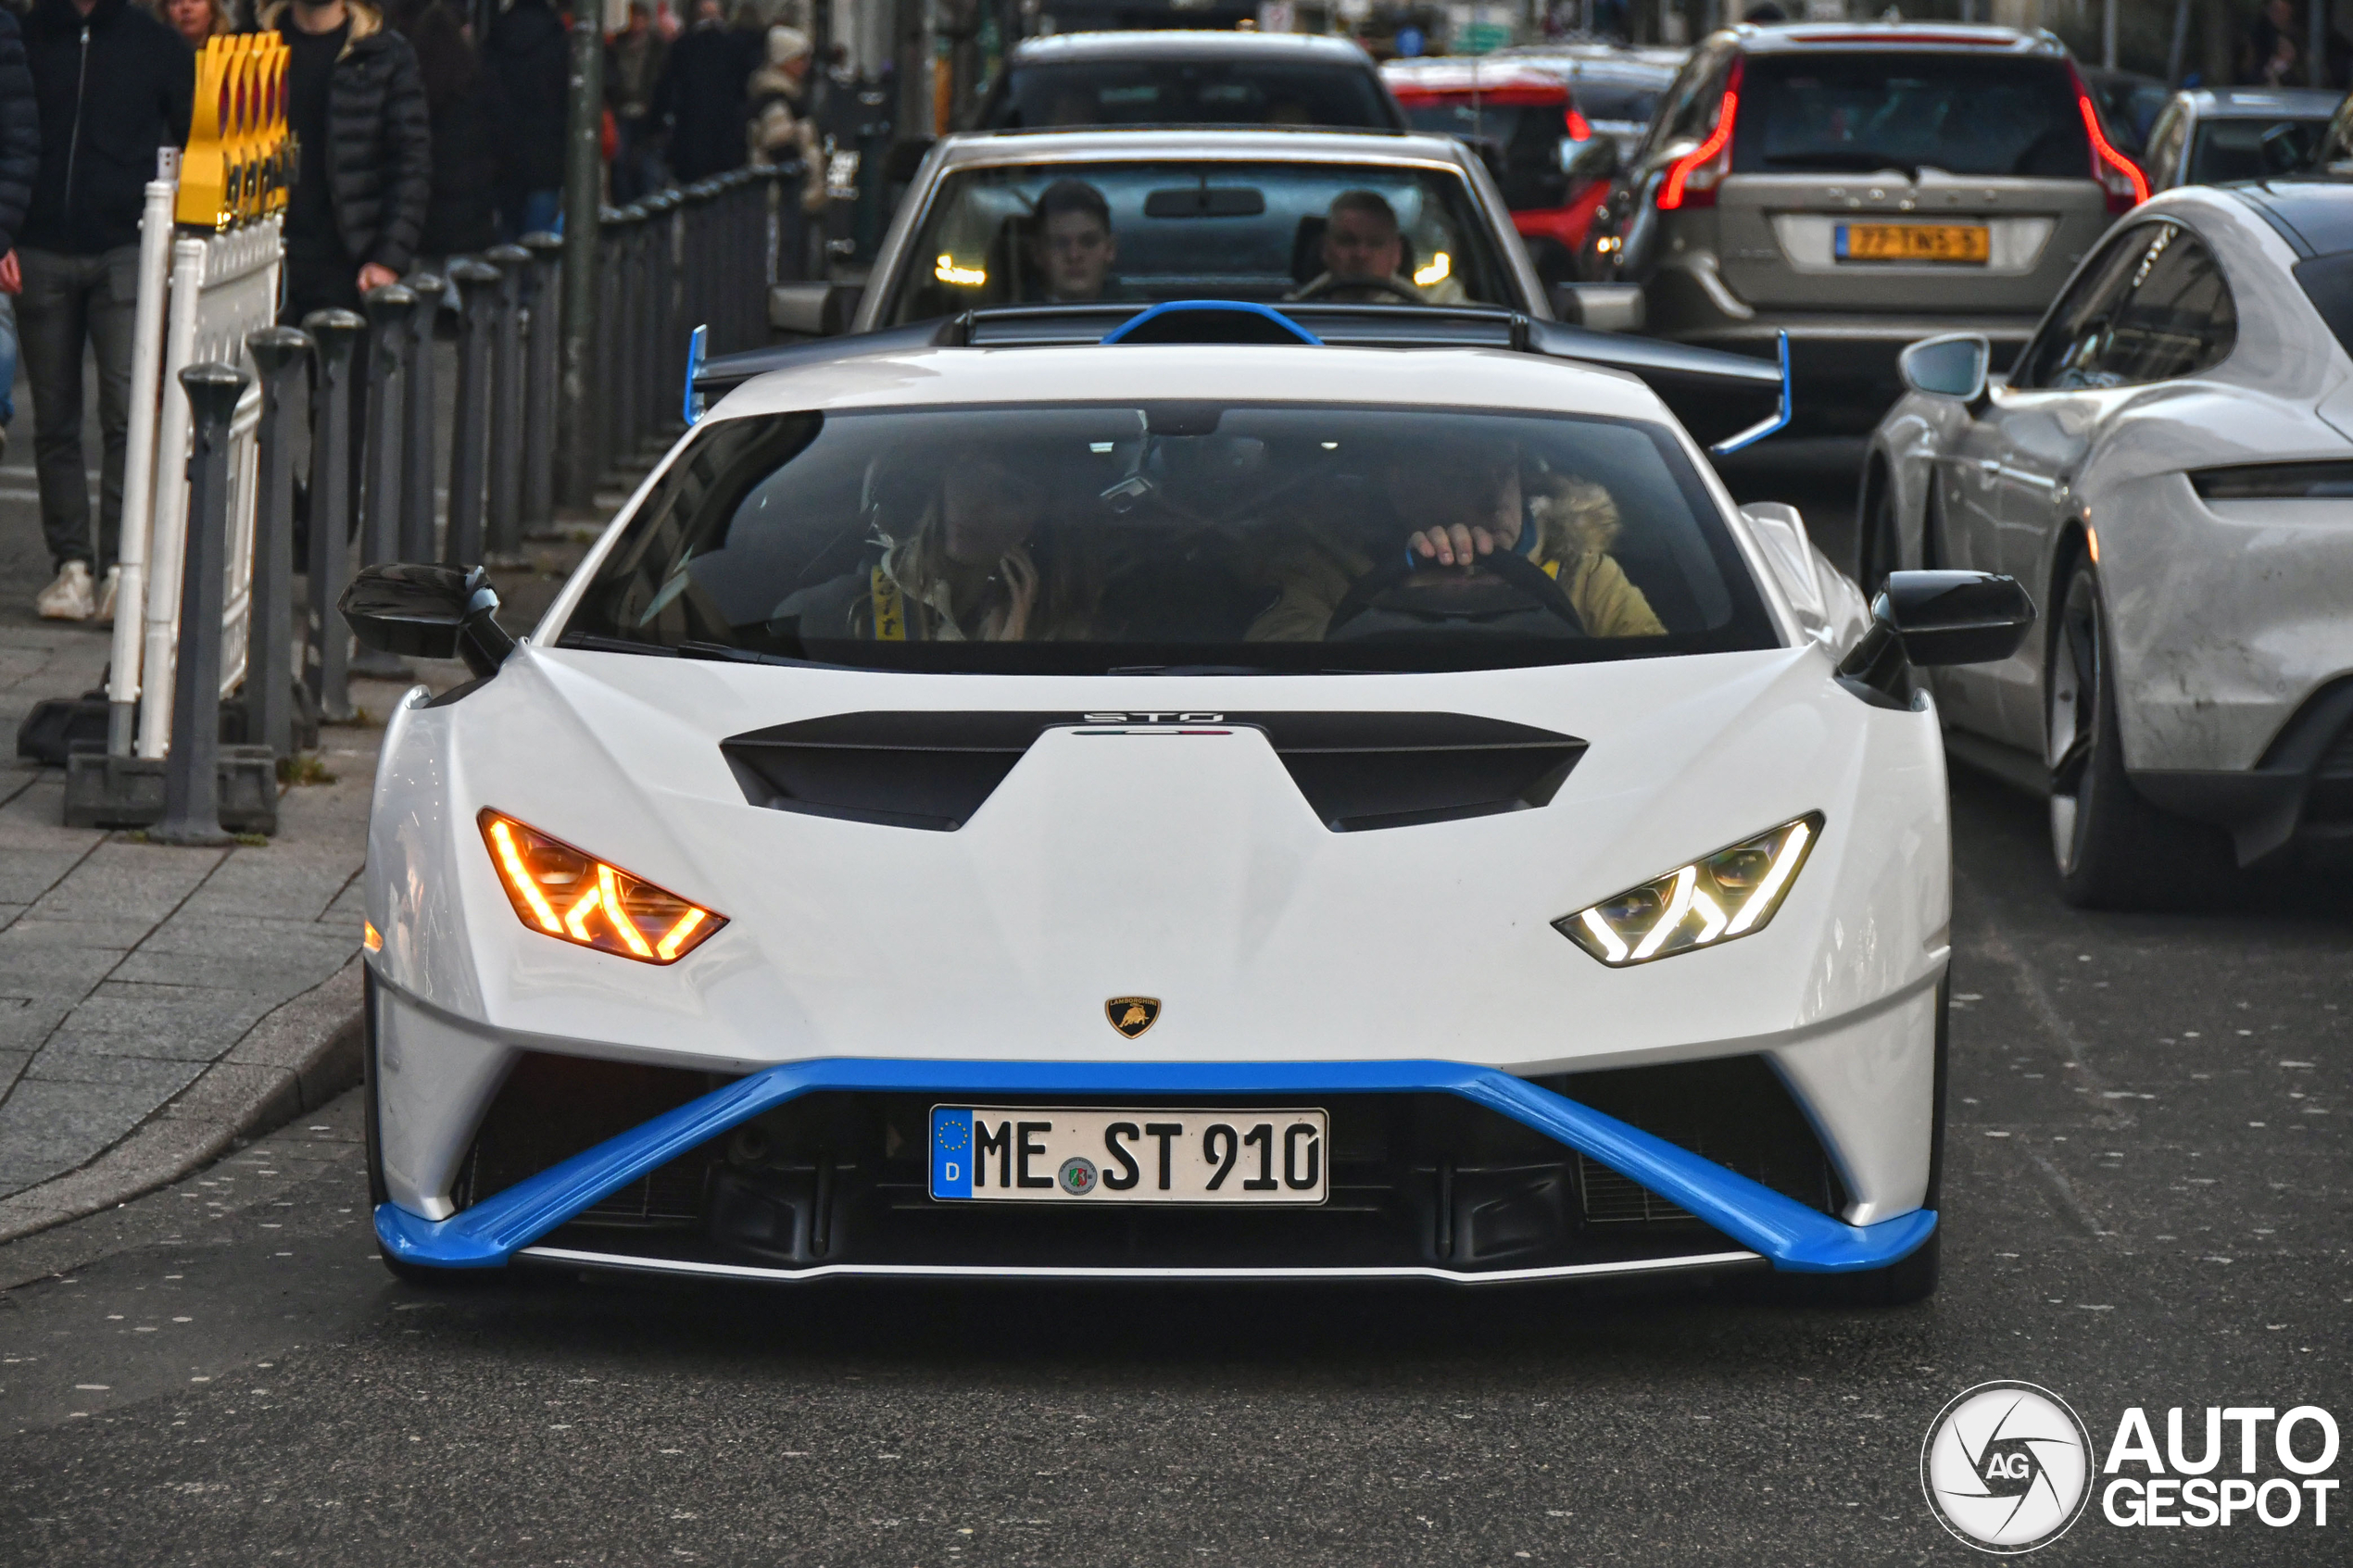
(1784, 1231)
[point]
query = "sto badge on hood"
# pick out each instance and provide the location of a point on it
(1132, 1015)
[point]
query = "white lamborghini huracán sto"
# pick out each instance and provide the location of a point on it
(1201, 792)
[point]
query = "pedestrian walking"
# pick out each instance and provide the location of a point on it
(780, 131)
(112, 85)
(460, 217)
(634, 58)
(196, 21)
(529, 60)
(20, 163)
(701, 97)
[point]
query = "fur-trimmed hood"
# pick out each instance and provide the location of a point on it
(366, 20)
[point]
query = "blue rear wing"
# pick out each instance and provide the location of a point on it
(1730, 400)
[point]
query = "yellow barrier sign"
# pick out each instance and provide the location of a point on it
(240, 161)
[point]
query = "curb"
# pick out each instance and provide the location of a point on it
(301, 1055)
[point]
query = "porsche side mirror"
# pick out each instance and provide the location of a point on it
(818, 309)
(1605, 307)
(1929, 618)
(429, 612)
(1953, 366)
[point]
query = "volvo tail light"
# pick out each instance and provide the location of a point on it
(2126, 186)
(1691, 179)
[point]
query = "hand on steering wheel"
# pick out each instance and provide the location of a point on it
(1327, 284)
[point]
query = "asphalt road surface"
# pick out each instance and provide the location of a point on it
(2146, 1204)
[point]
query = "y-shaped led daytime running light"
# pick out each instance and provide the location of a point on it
(574, 896)
(1715, 899)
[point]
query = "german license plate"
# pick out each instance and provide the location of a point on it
(1039, 1154)
(1965, 243)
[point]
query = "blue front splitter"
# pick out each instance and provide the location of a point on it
(1782, 1230)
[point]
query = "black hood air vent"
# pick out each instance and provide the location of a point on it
(1357, 770)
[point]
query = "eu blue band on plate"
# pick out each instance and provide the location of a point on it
(951, 1152)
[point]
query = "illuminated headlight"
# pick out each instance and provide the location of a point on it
(574, 896)
(1723, 896)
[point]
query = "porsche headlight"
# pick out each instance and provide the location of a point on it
(1729, 894)
(574, 896)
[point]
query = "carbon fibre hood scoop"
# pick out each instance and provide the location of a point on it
(1357, 770)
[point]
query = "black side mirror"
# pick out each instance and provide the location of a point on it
(813, 309)
(1926, 618)
(904, 159)
(1596, 159)
(429, 612)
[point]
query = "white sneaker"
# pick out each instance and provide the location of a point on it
(104, 615)
(71, 598)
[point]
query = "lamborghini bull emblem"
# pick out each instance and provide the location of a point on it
(1132, 1015)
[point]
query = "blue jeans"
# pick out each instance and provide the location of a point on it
(524, 212)
(7, 359)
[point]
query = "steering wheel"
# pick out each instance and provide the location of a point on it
(1325, 286)
(1536, 590)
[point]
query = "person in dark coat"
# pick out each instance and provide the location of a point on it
(356, 102)
(125, 82)
(20, 163)
(459, 220)
(701, 97)
(529, 59)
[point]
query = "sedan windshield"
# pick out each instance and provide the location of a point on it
(2253, 149)
(1174, 538)
(1197, 229)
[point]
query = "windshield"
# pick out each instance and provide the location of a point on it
(1190, 93)
(1867, 111)
(1527, 145)
(1176, 538)
(1617, 103)
(1198, 229)
(2253, 149)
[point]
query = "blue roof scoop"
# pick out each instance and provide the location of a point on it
(1211, 320)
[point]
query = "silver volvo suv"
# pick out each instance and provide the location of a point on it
(1862, 187)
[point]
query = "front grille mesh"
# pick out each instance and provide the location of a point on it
(1612, 1199)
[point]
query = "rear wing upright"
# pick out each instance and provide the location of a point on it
(1726, 400)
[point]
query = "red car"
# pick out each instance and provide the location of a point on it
(1554, 170)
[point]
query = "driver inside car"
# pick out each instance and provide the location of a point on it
(1363, 256)
(1074, 248)
(982, 558)
(1462, 504)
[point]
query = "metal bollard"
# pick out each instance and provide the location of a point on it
(623, 393)
(191, 778)
(390, 309)
(654, 394)
(417, 434)
(543, 354)
(280, 352)
(505, 533)
(336, 333)
(470, 428)
(600, 405)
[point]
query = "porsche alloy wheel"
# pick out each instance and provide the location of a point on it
(2112, 849)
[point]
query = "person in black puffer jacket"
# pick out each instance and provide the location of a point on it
(113, 85)
(357, 101)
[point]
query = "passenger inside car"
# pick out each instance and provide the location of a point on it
(1365, 261)
(983, 558)
(1461, 505)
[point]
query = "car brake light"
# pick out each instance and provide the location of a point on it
(1579, 129)
(2126, 186)
(1691, 179)
(574, 896)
